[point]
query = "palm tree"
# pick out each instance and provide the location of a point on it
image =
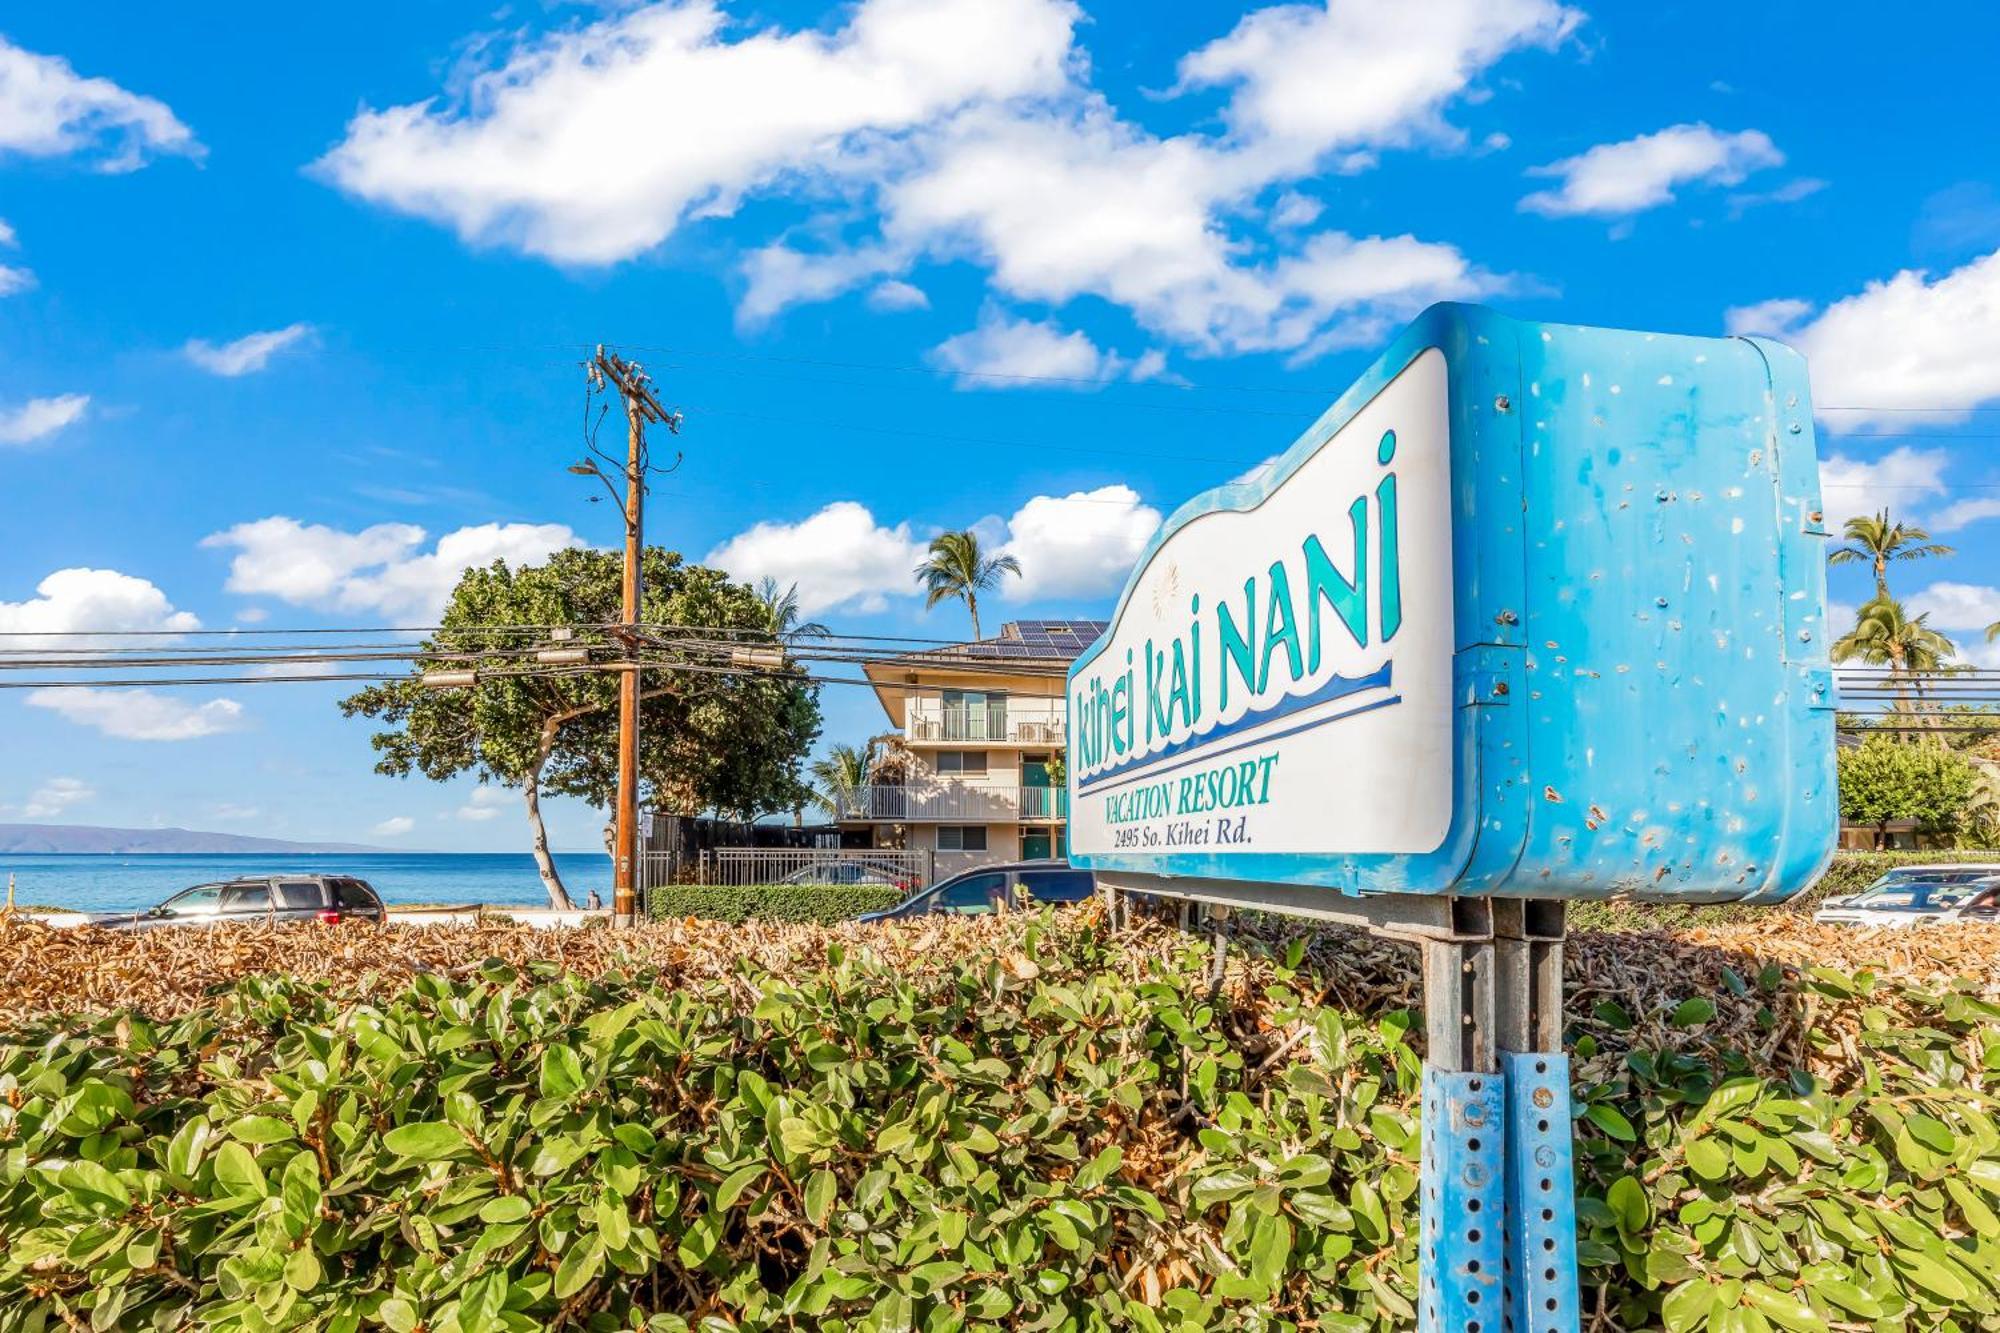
(836, 776)
(1884, 634)
(781, 611)
(1877, 541)
(958, 570)
(1993, 631)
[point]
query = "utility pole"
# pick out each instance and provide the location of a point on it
(641, 408)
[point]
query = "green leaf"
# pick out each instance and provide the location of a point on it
(94, 1187)
(184, 1150)
(300, 1187)
(425, 1140)
(1931, 1275)
(737, 1182)
(260, 1129)
(1687, 1305)
(1708, 1159)
(507, 1208)
(562, 1073)
(302, 1269)
(580, 1265)
(237, 1171)
(820, 1192)
(1611, 1122)
(1785, 1310)
(1693, 1013)
(398, 1314)
(1627, 1198)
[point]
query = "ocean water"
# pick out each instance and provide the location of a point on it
(113, 883)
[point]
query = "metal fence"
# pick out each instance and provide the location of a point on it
(814, 865)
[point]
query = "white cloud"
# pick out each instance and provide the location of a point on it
(1959, 513)
(1769, 319)
(1616, 179)
(956, 130)
(897, 295)
(485, 803)
(1294, 210)
(581, 147)
(1256, 471)
(48, 110)
(838, 557)
(55, 796)
(1082, 544)
(1909, 343)
(1007, 353)
(394, 827)
(246, 355)
(1901, 481)
(39, 418)
(1076, 545)
(231, 813)
(1363, 74)
(1958, 606)
(140, 715)
(70, 600)
(380, 569)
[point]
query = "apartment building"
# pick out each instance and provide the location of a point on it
(981, 726)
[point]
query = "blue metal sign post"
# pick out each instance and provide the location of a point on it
(1533, 614)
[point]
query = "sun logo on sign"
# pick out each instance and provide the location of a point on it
(1167, 589)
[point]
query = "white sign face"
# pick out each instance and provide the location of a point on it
(1280, 679)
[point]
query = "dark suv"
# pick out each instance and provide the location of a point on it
(257, 898)
(1017, 883)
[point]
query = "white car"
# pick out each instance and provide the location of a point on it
(1920, 896)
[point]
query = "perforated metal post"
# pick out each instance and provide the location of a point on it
(1541, 1195)
(1498, 1204)
(1463, 1211)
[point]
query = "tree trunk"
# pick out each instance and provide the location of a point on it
(531, 792)
(972, 606)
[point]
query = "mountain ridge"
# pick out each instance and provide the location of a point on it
(60, 839)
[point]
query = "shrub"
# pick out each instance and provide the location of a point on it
(1886, 778)
(823, 904)
(1016, 1123)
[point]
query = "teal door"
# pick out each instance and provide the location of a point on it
(1035, 844)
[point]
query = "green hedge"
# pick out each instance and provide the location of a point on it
(823, 904)
(1054, 1132)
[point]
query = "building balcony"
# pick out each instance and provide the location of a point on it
(1016, 723)
(951, 803)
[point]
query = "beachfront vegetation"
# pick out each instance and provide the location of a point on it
(729, 742)
(1007, 1123)
(822, 903)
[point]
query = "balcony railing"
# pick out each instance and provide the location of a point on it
(1023, 726)
(952, 803)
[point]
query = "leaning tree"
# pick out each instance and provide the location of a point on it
(720, 740)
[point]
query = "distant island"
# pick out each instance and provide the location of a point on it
(23, 839)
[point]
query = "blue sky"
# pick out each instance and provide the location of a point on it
(293, 298)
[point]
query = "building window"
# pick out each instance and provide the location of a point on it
(961, 838)
(962, 762)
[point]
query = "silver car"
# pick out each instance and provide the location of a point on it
(1919, 896)
(258, 898)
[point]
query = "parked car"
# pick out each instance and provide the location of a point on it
(258, 898)
(1919, 896)
(850, 872)
(981, 890)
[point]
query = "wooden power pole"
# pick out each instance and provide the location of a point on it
(641, 408)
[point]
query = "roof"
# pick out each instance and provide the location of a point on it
(1024, 641)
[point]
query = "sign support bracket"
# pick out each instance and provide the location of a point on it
(1497, 1195)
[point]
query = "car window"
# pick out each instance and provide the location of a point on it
(354, 895)
(300, 894)
(245, 898)
(1058, 886)
(976, 893)
(202, 898)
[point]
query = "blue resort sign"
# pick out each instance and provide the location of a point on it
(1533, 610)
